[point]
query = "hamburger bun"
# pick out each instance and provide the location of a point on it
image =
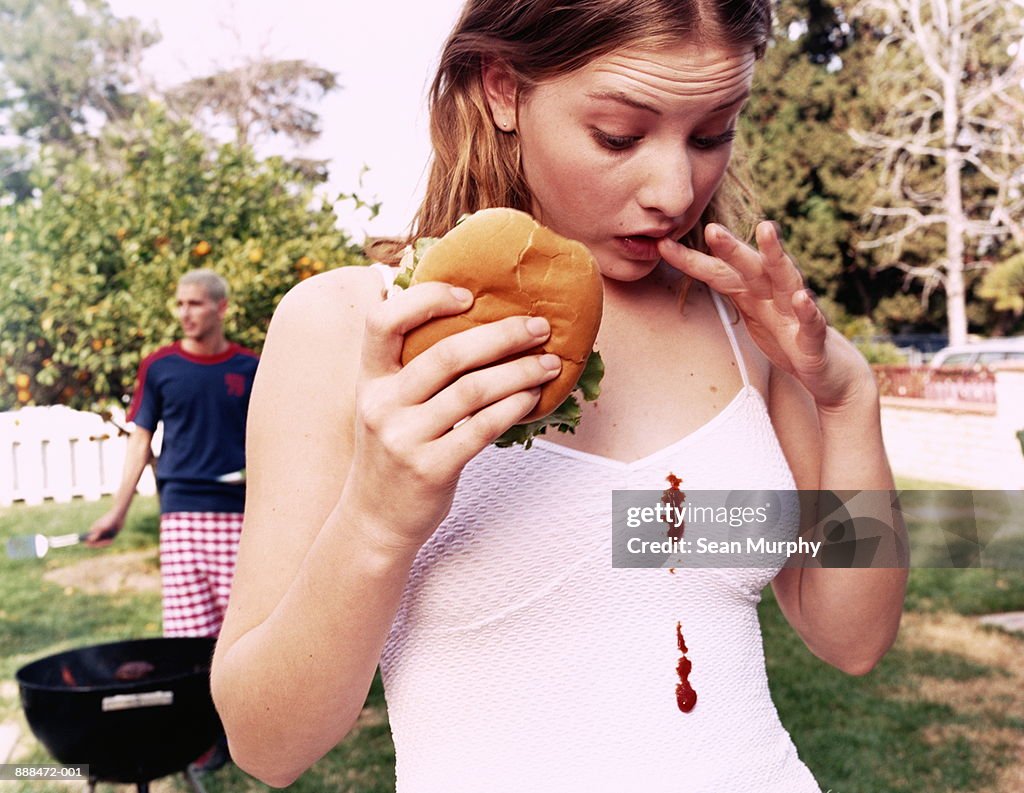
(515, 266)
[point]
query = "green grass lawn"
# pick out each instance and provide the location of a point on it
(938, 715)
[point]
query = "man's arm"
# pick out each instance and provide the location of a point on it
(137, 457)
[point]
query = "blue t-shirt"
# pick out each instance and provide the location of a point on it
(202, 401)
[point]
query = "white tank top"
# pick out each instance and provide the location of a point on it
(520, 660)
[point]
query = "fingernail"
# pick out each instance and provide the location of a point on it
(461, 294)
(550, 361)
(538, 326)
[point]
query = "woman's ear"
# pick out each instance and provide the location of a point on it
(501, 90)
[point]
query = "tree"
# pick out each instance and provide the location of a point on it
(818, 27)
(260, 99)
(1003, 284)
(807, 171)
(949, 153)
(65, 68)
(89, 264)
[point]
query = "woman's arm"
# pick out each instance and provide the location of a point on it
(282, 651)
(825, 408)
(847, 617)
(352, 463)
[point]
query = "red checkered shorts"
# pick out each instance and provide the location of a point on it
(197, 562)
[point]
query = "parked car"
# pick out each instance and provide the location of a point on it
(960, 372)
(980, 352)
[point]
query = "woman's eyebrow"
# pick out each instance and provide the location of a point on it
(734, 101)
(623, 98)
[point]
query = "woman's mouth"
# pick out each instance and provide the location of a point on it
(639, 247)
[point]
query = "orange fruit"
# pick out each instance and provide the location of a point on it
(202, 248)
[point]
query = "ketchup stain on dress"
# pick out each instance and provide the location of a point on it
(674, 498)
(686, 697)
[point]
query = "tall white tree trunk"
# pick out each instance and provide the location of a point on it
(956, 218)
(953, 105)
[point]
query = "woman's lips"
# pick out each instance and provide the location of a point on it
(639, 247)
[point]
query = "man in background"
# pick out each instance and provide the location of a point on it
(199, 388)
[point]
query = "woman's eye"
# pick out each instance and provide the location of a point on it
(615, 142)
(714, 141)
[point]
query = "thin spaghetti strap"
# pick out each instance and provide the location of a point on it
(727, 324)
(387, 274)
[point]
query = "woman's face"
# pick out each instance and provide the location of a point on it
(630, 148)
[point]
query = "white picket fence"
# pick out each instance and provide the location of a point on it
(58, 454)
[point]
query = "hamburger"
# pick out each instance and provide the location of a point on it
(515, 266)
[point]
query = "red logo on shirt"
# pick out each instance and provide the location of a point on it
(235, 383)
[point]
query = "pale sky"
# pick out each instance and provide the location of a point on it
(384, 52)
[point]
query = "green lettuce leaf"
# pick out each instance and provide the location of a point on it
(566, 417)
(404, 278)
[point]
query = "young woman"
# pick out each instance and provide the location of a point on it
(382, 526)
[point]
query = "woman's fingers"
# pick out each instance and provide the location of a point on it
(746, 261)
(484, 427)
(780, 269)
(767, 287)
(810, 336)
(475, 391)
(389, 321)
(709, 269)
(444, 362)
(749, 275)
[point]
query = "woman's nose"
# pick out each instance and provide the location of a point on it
(668, 188)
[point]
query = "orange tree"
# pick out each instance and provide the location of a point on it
(88, 264)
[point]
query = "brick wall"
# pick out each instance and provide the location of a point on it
(973, 446)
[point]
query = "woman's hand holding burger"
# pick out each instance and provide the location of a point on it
(780, 313)
(491, 333)
(416, 426)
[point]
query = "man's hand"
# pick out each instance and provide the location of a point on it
(104, 530)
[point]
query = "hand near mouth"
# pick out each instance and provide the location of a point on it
(780, 313)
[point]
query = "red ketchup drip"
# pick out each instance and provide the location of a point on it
(686, 697)
(674, 497)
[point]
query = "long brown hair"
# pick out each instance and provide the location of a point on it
(476, 166)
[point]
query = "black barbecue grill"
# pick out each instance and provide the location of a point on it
(133, 711)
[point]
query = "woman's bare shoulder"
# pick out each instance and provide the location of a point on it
(319, 323)
(345, 293)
